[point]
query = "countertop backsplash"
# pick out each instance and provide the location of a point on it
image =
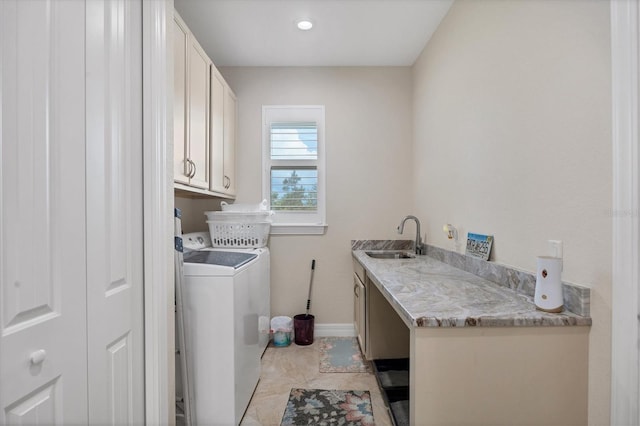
(381, 244)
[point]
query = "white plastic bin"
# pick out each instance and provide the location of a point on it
(282, 329)
(257, 207)
(239, 229)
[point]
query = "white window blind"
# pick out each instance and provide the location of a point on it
(293, 165)
(294, 141)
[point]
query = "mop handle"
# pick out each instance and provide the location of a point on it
(313, 267)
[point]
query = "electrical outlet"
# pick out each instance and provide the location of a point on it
(555, 248)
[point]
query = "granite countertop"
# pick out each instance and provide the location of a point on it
(429, 293)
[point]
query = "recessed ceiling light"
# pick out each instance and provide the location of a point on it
(304, 24)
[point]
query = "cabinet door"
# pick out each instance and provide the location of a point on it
(216, 158)
(181, 167)
(362, 337)
(359, 311)
(198, 111)
(230, 109)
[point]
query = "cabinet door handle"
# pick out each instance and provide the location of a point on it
(188, 163)
(193, 169)
(227, 182)
(190, 172)
(355, 290)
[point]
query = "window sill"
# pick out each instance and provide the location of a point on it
(298, 229)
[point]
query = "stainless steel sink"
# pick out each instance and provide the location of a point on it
(390, 254)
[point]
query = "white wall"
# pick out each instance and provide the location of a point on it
(512, 107)
(369, 182)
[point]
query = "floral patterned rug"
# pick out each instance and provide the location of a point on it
(328, 407)
(341, 355)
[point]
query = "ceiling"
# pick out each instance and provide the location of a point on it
(345, 32)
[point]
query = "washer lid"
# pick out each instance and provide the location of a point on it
(222, 258)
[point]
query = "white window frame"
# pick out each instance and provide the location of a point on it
(298, 223)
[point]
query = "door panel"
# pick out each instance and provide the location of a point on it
(27, 167)
(42, 221)
(114, 211)
(42, 406)
(120, 374)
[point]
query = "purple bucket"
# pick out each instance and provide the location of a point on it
(303, 329)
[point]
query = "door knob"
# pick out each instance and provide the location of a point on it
(38, 357)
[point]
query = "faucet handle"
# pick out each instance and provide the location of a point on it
(422, 245)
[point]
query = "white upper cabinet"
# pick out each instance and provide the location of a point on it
(181, 167)
(223, 136)
(204, 120)
(198, 113)
(217, 131)
(191, 108)
(230, 114)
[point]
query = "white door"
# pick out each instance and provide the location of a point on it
(71, 348)
(43, 339)
(114, 212)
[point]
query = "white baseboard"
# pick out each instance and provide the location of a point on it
(334, 330)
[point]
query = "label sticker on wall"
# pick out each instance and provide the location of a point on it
(479, 245)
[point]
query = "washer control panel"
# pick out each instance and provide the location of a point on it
(196, 240)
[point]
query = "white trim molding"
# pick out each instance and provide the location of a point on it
(625, 395)
(334, 330)
(158, 212)
(291, 222)
(294, 229)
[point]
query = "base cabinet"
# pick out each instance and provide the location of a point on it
(499, 376)
(474, 375)
(360, 305)
(359, 309)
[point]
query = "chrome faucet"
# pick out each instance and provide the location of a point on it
(419, 247)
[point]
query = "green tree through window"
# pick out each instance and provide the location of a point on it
(294, 192)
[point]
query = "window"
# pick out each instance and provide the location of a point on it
(293, 168)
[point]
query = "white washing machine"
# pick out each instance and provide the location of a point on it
(227, 314)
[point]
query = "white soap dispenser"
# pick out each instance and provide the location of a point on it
(548, 295)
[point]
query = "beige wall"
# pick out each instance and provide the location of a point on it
(368, 128)
(193, 218)
(512, 106)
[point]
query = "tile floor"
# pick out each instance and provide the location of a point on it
(298, 367)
